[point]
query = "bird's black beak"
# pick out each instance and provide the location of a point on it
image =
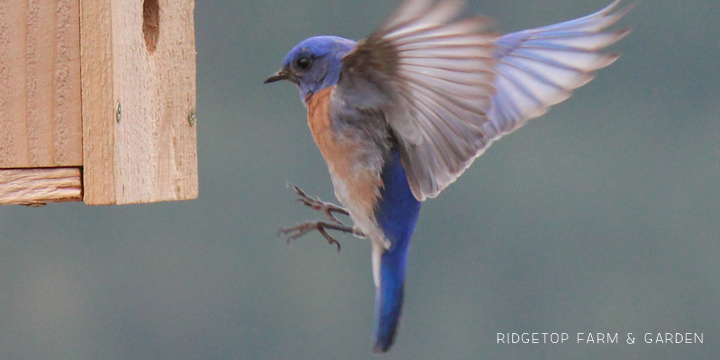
(280, 75)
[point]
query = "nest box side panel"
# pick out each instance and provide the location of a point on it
(40, 114)
(138, 85)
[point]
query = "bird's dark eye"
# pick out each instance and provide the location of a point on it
(304, 63)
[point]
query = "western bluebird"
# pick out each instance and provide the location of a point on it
(400, 115)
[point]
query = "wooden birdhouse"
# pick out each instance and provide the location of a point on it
(97, 101)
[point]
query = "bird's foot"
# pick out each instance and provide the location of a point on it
(298, 231)
(325, 207)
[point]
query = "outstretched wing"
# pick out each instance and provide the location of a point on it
(432, 76)
(449, 87)
(538, 68)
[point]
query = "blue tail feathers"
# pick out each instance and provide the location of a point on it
(397, 215)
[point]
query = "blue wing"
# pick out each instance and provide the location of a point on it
(397, 214)
(449, 87)
(540, 67)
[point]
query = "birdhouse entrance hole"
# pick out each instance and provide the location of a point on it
(151, 23)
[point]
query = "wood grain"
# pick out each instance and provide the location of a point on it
(40, 186)
(150, 154)
(40, 115)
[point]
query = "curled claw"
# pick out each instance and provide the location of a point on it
(327, 208)
(301, 230)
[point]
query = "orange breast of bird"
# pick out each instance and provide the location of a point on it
(351, 160)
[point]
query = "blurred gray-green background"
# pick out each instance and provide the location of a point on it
(601, 216)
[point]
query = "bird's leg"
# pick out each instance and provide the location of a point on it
(298, 231)
(327, 208)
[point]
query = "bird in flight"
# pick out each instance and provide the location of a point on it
(402, 114)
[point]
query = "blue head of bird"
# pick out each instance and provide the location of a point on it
(314, 64)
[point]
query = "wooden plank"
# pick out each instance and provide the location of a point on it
(40, 186)
(98, 112)
(40, 115)
(150, 154)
